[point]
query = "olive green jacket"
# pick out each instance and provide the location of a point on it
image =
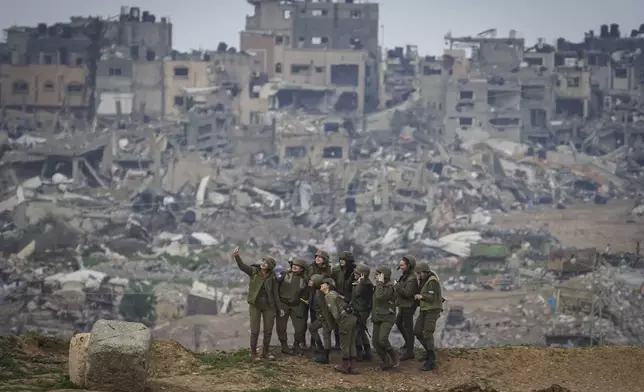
(406, 288)
(293, 287)
(384, 303)
(321, 309)
(362, 296)
(314, 269)
(432, 294)
(336, 304)
(259, 281)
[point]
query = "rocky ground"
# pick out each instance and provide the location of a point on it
(35, 363)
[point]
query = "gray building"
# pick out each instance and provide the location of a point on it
(66, 43)
(339, 24)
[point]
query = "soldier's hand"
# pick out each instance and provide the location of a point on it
(236, 251)
(282, 313)
(418, 297)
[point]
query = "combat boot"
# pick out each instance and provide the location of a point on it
(266, 354)
(352, 366)
(285, 348)
(297, 348)
(367, 355)
(395, 359)
(254, 356)
(425, 356)
(386, 363)
(323, 358)
(359, 354)
(344, 367)
(408, 354)
(430, 363)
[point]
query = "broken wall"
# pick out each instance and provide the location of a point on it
(147, 83)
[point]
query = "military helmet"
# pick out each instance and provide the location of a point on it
(346, 256)
(329, 281)
(422, 267)
(271, 262)
(317, 279)
(385, 271)
(299, 262)
(363, 269)
(324, 255)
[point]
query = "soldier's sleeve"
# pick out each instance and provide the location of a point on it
(245, 268)
(430, 291)
(332, 305)
(276, 296)
(383, 291)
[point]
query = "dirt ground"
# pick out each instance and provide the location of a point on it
(583, 225)
(32, 363)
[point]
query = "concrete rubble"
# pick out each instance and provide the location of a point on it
(82, 213)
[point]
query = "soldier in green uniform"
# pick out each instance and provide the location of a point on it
(431, 306)
(361, 300)
(406, 288)
(320, 266)
(343, 277)
(293, 293)
(342, 312)
(383, 316)
(263, 301)
(322, 320)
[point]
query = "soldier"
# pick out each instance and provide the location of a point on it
(293, 293)
(383, 316)
(320, 266)
(406, 288)
(342, 312)
(322, 320)
(263, 301)
(343, 277)
(431, 306)
(361, 300)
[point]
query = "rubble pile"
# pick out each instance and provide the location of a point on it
(134, 203)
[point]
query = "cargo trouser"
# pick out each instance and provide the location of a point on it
(348, 333)
(314, 329)
(380, 339)
(405, 324)
(425, 328)
(363, 338)
(257, 313)
(297, 314)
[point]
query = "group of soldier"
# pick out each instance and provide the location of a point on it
(338, 301)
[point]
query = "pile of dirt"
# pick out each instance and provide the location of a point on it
(172, 359)
(35, 363)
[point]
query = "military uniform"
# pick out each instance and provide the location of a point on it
(323, 320)
(431, 306)
(323, 270)
(406, 288)
(361, 301)
(346, 320)
(383, 316)
(343, 277)
(293, 292)
(263, 303)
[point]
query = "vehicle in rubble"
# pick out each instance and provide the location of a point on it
(456, 320)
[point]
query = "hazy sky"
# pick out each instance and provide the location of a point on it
(201, 24)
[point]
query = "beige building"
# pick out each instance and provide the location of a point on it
(42, 86)
(181, 74)
(302, 150)
(573, 91)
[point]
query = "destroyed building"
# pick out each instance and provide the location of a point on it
(489, 97)
(67, 43)
(400, 75)
(324, 44)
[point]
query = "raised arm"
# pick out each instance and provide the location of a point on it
(245, 268)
